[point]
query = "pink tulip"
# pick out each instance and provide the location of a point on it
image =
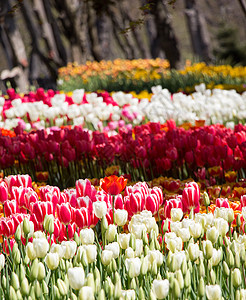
(18, 218)
(71, 228)
(84, 188)
(169, 204)
(118, 202)
(3, 192)
(191, 197)
(30, 197)
(85, 202)
(158, 192)
(54, 190)
(10, 208)
(64, 213)
(40, 209)
(137, 202)
(243, 200)
(7, 227)
(37, 225)
(82, 218)
(19, 195)
(152, 203)
(222, 202)
(57, 227)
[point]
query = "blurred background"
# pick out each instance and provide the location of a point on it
(37, 37)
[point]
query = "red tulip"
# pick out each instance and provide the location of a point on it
(222, 202)
(191, 197)
(118, 202)
(84, 188)
(169, 204)
(82, 218)
(137, 202)
(64, 213)
(40, 209)
(113, 184)
(243, 200)
(85, 202)
(30, 197)
(10, 208)
(3, 192)
(7, 227)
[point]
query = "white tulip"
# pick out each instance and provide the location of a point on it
(115, 248)
(213, 292)
(87, 236)
(121, 216)
(76, 277)
(160, 288)
(176, 214)
(70, 249)
(41, 247)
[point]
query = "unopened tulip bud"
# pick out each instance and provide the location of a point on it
(145, 238)
(4, 282)
(239, 220)
(144, 266)
(111, 232)
(230, 259)
(34, 270)
(41, 271)
(15, 281)
(26, 260)
(132, 242)
(207, 249)
(90, 281)
(26, 226)
(152, 296)
(212, 276)
(117, 289)
(237, 260)
(16, 256)
(12, 293)
(152, 245)
(37, 289)
(133, 284)
(24, 287)
(49, 223)
(176, 289)
(56, 292)
(45, 289)
(184, 267)
(206, 199)
(84, 259)
(73, 297)
(236, 277)
(114, 265)
(201, 269)
(104, 223)
(180, 278)
(212, 234)
(154, 268)
(141, 294)
(201, 287)
(237, 295)
(76, 238)
(226, 269)
(165, 226)
(31, 253)
(187, 280)
(230, 216)
(18, 233)
(101, 295)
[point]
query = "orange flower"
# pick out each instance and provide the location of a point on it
(113, 184)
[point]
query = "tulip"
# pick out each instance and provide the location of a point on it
(193, 250)
(114, 247)
(64, 213)
(84, 188)
(87, 236)
(91, 253)
(41, 247)
(212, 234)
(70, 249)
(113, 185)
(160, 288)
(195, 230)
(52, 261)
(100, 209)
(86, 293)
(124, 239)
(176, 214)
(111, 233)
(236, 277)
(3, 192)
(76, 277)
(7, 227)
(222, 202)
(106, 257)
(191, 197)
(2, 261)
(133, 266)
(207, 249)
(169, 204)
(213, 292)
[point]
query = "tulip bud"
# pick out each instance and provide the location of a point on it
(45, 289)
(154, 268)
(37, 289)
(16, 256)
(76, 238)
(145, 238)
(15, 281)
(56, 292)
(86, 293)
(34, 270)
(132, 242)
(212, 276)
(141, 294)
(187, 280)
(201, 287)
(49, 223)
(165, 226)
(18, 233)
(184, 267)
(144, 266)
(176, 289)
(230, 216)
(180, 278)
(31, 253)
(117, 289)
(111, 233)
(236, 277)
(239, 220)
(104, 223)
(26, 226)
(206, 199)
(24, 287)
(207, 249)
(26, 260)
(133, 284)
(41, 271)
(212, 234)
(12, 294)
(230, 259)
(4, 282)
(152, 296)
(146, 250)
(237, 260)
(237, 295)
(201, 269)
(101, 295)
(114, 265)
(84, 259)
(90, 281)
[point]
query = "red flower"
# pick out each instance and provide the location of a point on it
(191, 197)
(113, 184)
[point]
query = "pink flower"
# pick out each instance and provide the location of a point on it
(137, 202)
(64, 212)
(222, 202)
(169, 204)
(84, 188)
(7, 227)
(82, 218)
(191, 197)
(152, 203)
(243, 200)
(10, 208)
(3, 192)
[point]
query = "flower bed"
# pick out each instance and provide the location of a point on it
(89, 242)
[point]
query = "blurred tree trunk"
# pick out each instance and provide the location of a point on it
(104, 35)
(13, 47)
(199, 35)
(243, 6)
(165, 37)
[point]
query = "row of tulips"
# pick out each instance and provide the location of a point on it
(128, 254)
(145, 152)
(100, 111)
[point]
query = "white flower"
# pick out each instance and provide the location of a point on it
(70, 249)
(106, 257)
(57, 248)
(91, 252)
(195, 230)
(2, 261)
(76, 277)
(222, 226)
(176, 214)
(193, 250)
(41, 247)
(160, 288)
(86, 293)
(115, 248)
(124, 239)
(100, 209)
(111, 232)
(121, 216)
(213, 292)
(133, 266)
(87, 236)
(184, 234)
(217, 256)
(52, 260)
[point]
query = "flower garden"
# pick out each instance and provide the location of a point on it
(125, 193)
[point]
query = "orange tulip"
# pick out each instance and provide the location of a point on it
(113, 184)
